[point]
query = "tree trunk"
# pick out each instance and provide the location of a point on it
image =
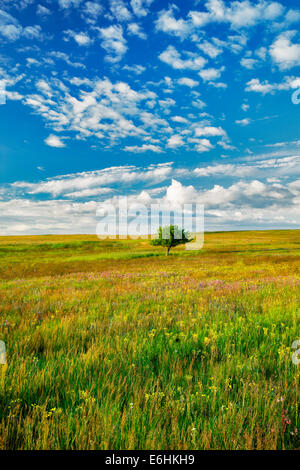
(168, 250)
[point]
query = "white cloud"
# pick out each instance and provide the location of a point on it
(42, 10)
(86, 193)
(167, 23)
(140, 7)
(24, 216)
(120, 10)
(199, 104)
(237, 14)
(113, 42)
(204, 145)
(225, 170)
(81, 38)
(63, 56)
(266, 169)
(69, 3)
(91, 11)
(54, 141)
(143, 148)
(43, 86)
(284, 53)
(91, 180)
(32, 32)
(211, 74)
(11, 29)
(179, 194)
(243, 122)
(172, 57)
(180, 119)
(198, 19)
(175, 141)
(261, 52)
(249, 63)
(244, 13)
(137, 69)
(264, 199)
(266, 87)
(210, 131)
(188, 82)
(210, 49)
(9, 26)
(135, 30)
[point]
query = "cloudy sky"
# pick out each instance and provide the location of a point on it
(178, 102)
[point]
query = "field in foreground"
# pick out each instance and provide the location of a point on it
(112, 345)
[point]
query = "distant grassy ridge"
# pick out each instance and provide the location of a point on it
(59, 254)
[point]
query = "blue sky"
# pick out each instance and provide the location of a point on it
(159, 101)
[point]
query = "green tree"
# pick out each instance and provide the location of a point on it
(170, 236)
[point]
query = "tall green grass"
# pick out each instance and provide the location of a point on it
(115, 348)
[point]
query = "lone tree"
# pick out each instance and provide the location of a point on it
(170, 236)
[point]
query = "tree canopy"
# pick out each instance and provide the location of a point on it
(170, 236)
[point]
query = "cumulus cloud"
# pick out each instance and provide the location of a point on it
(244, 13)
(91, 11)
(180, 119)
(210, 131)
(265, 87)
(237, 14)
(284, 53)
(134, 29)
(136, 69)
(249, 63)
(203, 145)
(211, 74)
(167, 23)
(32, 32)
(81, 38)
(243, 122)
(9, 26)
(260, 195)
(42, 10)
(54, 141)
(188, 82)
(173, 58)
(11, 30)
(113, 42)
(175, 141)
(211, 49)
(69, 3)
(120, 10)
(144, 148)
(140, 7)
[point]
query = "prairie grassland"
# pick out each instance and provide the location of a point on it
(112, 345)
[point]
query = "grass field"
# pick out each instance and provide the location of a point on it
(113, 345)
